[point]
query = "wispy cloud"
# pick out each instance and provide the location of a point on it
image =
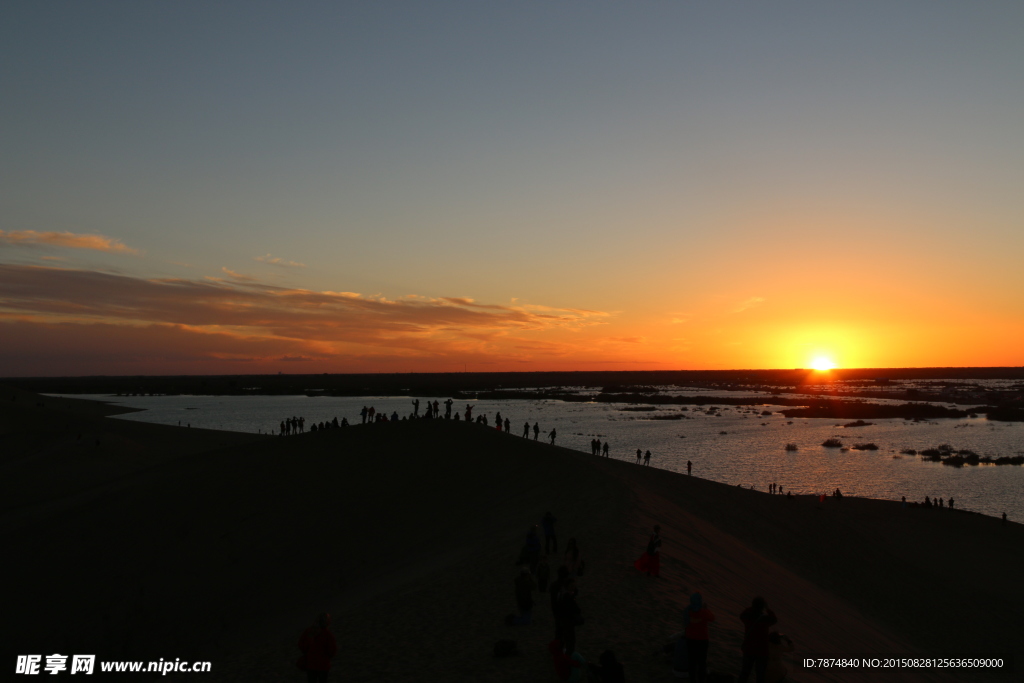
(278, 261)
(237, 276)
(28, 238)
(749, 303)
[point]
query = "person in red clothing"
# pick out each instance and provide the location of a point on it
(318, 647)
(696, 618)
(650, 561)
(757, 619)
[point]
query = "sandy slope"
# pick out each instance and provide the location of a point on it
(202, 544)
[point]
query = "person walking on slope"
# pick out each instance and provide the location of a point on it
(318, 647)
(757, 619)
(572, 560)
(696, 618)
(567, 615)
(552, 433)
(547, 522)
(605, 448)
(650, 561)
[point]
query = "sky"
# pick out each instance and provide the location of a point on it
(449, 186)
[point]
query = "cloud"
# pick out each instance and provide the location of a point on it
(241, 319)
(28, 238)
(749, 303)
(237, 276)
(278, 261)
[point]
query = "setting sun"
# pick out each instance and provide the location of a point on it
(822, 364)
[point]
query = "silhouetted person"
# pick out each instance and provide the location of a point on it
(757, 619)
(543, 574)
(950, 503)
(639, 456)
(497, 420)
(650, 561)
(1004, 518)
(556, 587)
(689, 467)
(179, 422)
(508, 425)
(394, 416)
(573, 560)
(547, 523)
(364, 412)
(927, 502)
(448, 409)
(469, 412)
(567, 615)
(318, 648)
(524, 585)
(416, 408)
(696, 618)
(647, 458)
(605, 447)
(532, 549)
(526, 430)
(536, 430)
(552, 433)
(437, 408)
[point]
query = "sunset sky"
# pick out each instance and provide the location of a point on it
(249, 187)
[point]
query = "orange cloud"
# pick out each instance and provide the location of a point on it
(243, 320)
(24, 238)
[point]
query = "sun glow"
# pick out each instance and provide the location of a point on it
(821, 364)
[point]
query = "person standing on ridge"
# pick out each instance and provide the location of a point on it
(526, 430)
(552, 433)
(536, 430)
(605, 447)
(689, 467)
(647, 458)
(508, 425)
(469, 412)
(639, 455)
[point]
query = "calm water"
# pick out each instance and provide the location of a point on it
(751, 452)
